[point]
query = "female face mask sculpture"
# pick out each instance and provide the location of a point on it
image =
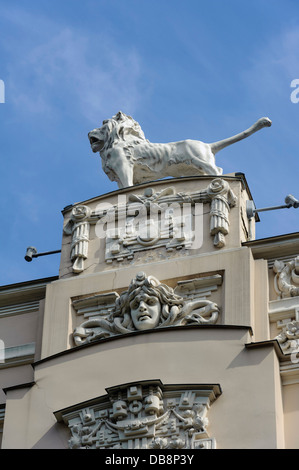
(145, 311)
(146, 305)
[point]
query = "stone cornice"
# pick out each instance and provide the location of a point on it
(228, 177)
(273, 247)
(17, 355)
(22, 292)
(273, 343)
(76, 349)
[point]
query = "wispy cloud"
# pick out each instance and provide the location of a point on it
(274, 65)
(55, 64)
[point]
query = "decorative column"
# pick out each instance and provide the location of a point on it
(78, 227)
(222, 199)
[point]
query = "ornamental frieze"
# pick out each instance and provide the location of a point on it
(143, 415)
(155, 219)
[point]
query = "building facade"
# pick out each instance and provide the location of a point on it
(168, 326)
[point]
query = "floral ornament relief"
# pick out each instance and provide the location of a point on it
(286, 281)
(286, 285)
(289, 337)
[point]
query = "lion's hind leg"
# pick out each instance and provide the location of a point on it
(199, 156)
(205, 164)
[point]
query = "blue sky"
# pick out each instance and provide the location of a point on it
(194, 69)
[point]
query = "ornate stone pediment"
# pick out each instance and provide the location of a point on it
(153, 220)
(143, 415)
(147, 304)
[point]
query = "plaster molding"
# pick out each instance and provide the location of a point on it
(17, 355)
(284, 259)
(283, 309)
(17, 309)
(143, 415)
(289, 336)
(98, 304)
(198, 287)
(155, 219)
(177, 226)
(289, 373)
(285, 312)
(277, 247)
(23, 292)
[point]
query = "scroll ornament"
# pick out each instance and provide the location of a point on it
(286, 281)
(222, 199)
(147, 304)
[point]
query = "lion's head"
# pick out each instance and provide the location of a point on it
(120, 128)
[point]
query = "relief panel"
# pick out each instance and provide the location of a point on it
(143, 415)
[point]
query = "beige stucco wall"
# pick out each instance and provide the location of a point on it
(237, 302)
(20, 329)
(260, 295)
(21, 317)
(291, 414)
(236, 297)
(193, 355)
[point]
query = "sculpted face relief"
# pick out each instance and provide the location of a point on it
(145, 311)
(146, 305)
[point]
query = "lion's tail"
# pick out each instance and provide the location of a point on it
(262, 122)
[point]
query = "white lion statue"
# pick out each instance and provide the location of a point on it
(129, 158)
